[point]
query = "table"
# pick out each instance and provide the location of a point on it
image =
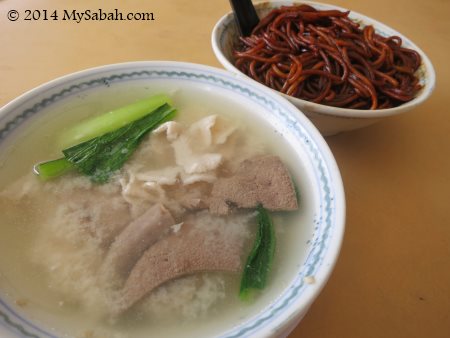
(392, 279)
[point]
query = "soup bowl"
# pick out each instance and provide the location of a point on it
(322, 201)
(329, 120)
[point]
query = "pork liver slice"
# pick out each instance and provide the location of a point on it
(259, 180)
(182, 253)
(137, 237)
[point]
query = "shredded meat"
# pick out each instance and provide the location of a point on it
(258, 180)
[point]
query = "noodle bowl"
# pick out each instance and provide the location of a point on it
(329, 119)
(324, 57)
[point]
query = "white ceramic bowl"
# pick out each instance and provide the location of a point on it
(329, 120)
(322, 198)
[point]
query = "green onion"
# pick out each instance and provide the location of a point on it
(260, 259)
(112, 120)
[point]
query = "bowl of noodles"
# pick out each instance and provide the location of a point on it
(342, 69)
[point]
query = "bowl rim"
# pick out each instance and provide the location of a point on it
(317, 108)
(300, 305)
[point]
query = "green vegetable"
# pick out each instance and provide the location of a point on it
(260, 259)
(51, 169)
(101, 156)
(112, 120)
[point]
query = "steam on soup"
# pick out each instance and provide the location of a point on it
(166, 241)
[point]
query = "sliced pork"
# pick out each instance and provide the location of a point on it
(258, 180)
(138, 236)
(184, 252)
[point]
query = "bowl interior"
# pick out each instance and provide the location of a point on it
(315, 243)
(225, 36)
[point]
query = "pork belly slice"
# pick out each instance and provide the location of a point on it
(137, 237)
(181, 253)
(259, 180)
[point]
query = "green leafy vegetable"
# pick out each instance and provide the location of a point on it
(111, 120)
(100, 157)
(50, 169)
(259, 261)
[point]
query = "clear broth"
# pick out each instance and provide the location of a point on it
(26, 285)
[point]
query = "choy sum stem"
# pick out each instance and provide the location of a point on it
(112, 120)
(54, 168)
(101, 156)
(260, 259)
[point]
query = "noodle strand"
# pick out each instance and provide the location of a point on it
(325, 57)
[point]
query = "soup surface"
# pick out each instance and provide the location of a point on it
(55, 236)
